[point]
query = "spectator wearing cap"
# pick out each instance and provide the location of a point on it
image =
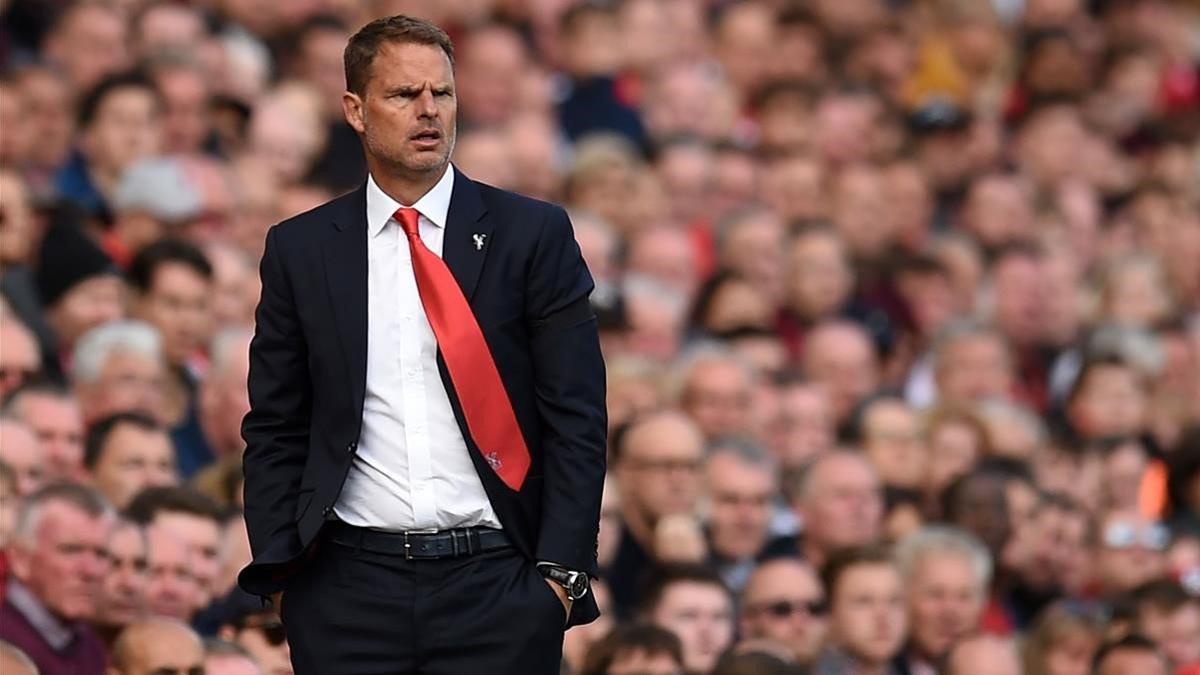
(641, 648)
(840, 355)
(126, 453)
(80, 287)
(867, 618)
(740, 487)
(154, 197)
(158, 645)
(982, 655)
(784, 603)
(59, 561)
(693, 603)
(119, 368)
(53, 413)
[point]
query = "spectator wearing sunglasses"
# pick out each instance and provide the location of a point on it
(1167, 614)
(947, 573)
(158, 646)
(262, 635)
(1130, 552)
(783, 602)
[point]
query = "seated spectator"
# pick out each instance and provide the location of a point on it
(1129, 551)
(840, 504)
(19, 359)
(1167, 614)
(127, 453)
(716, 392)
(783, 602)
(194, 519)
(79, 286)
(693, 603)
(59, 562)
(222, 657)
(867, 619)
(636, 649)
(740, 487)
(889, 434)
(839, 355)
(1131, 655)
(118, 368)
(123, 594)
(947, 575)
(982, 655)
(1061, 640)
(156, 646)
(262, 634)
(171, 588)
(54, 416)
(19, 449)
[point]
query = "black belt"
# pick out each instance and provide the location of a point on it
(423, 545)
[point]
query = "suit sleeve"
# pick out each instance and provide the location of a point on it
(570, 387)
(276, 429)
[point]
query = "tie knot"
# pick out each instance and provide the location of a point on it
(408, 219)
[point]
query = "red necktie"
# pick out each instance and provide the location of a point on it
(485, 404)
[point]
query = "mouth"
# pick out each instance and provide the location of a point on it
(428, 138)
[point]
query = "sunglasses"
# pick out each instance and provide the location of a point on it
(782, 609)
(272, 630)
(1123, 536)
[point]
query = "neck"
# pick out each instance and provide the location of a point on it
(403, 185)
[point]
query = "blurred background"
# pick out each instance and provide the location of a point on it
(900, 302)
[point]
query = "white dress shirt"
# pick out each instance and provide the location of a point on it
(412, 470)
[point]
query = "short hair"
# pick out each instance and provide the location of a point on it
(677, 573)
(631, 638)
(37, 386)
(219, 647)
(99, 433)
(152, 501)
(964, 329)
(1163, 595)
(843, 560)
(364, 45)
(802, 482)
(745, 450)
(132, 638)
(97, 345)
(934, 539)
(1131, 642)
(704, 353)
(8, 477)
(81, 497)
(89, 105)
(149, 260)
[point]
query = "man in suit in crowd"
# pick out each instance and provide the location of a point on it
(425, 449)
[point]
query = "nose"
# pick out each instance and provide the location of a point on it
(426, 106)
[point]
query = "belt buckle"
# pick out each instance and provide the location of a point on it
(408, 546)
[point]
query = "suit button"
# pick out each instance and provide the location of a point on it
(327, 510)
(352, 447)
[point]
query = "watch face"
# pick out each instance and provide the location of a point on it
(579, 586)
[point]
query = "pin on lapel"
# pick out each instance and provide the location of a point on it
(479, 241)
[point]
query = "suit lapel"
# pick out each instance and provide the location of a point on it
(468, 234)
(345, 255)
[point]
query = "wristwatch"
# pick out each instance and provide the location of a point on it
(575, 583)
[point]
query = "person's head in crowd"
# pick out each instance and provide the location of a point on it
(13, 661)
(979, 502)
(729, 302)
(236, 285)
(1058, 556)
(126, 453)
(1109, 398)
(54, 416)
(740, 486)
(819, 277)
(744, 35)
(955, 439)
(46, 95)
(889, 434)
(657, 465)
(117, 368)
(1129, 551)
(263, 635)
(1135, 292)
(1122, 461)
(120, 122)
(924, 287)
(1131, 655)
(1061, 641)
(19, 357)
(840, 355)
(1168, 614)
(167, 27)
(123, 595)
(859, 209)
(1016, 300)
(154, 195)
(59, 550)
(8, 502)
(222, 657)
(692, 602)
(88, 42)
(186, 114)
(589, 44)
(751, 242)
(867, 618)
(173, 284)
(172, 589)
(78, 284)
(483, 154)
(839, 499)
(982, 655)
(285, 137)
(489, 59)
(320, 42)
(17, 235)
(1014, 431)
(1048, 142)
(784, 602)
(716, 391)
(903, 513)
(24, 456)
(947, 574)
(803, 427)
(194, 518)
(971, 363)
(223, 399)
(156, 646)
(636, 649)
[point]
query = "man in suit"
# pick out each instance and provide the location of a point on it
(425, 449)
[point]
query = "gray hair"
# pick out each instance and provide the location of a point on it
(995, 410)
(701, 353)
(943, 539)
(119, 337)
(963, 329)
(745, 450)
(82, 497)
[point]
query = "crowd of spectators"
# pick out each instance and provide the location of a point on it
(899, 299)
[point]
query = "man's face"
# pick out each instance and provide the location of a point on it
(892, 441)
(660, 470)
(88, 304)
(127, 383)
(66, 562)
(868, 615)
(91, 45)
(820, 277)
(701, 615)
(125, 129)
(975, 368)
(740, 496)
(123, 598)
(493, 59)
(203, 537)
(58, 424)
(803, 428)
(177, 304)
(1112, 402)
(718, 398)
(407, 112)
(1019, 310)
(266, 640)
(844, 506)
(171, 588)
(1132, 662)
(186, 122)
(945, 599)
(20, 450)
(19, 358)
(784, 602)
(844, 362)
(133, 459)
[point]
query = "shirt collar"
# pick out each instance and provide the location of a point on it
(56, 633)
(434, 205)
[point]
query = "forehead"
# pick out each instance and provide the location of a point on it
(61, 521)
(401, 63)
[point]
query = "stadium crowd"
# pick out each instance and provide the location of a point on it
(899, 299)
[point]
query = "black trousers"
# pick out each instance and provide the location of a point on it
(351, 611)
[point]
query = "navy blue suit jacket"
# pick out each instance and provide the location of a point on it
(528, 288)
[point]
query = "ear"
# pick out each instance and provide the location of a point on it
(19, 559)
(352, 108)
